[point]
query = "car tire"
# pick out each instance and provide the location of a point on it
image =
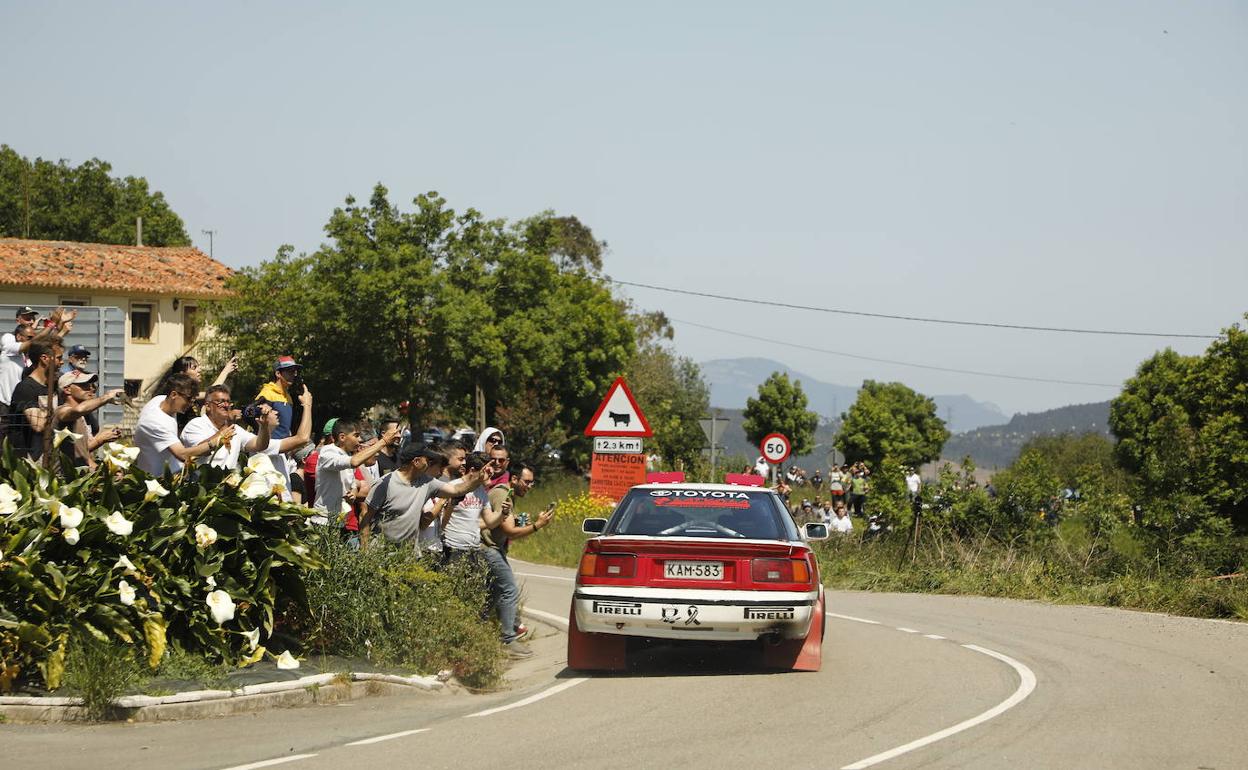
(804, 654)
(595, 652)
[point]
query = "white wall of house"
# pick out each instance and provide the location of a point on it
(145, 359)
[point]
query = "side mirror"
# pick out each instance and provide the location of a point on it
(816, 531)
(598, 526)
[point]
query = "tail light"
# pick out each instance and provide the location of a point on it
(608, 565)
(779, 571)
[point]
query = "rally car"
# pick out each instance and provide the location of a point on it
(708, 562)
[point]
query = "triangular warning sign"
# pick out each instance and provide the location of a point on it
(618, 415)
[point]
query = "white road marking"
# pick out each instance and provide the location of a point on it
(271, 762)
(381, 738)
(851, 617)
(1026, 684)
(545, 577)
(550, 617)
(908, 630)
(532, 698)
(934, 636)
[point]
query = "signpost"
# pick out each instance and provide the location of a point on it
(712, 427)
(618, 428)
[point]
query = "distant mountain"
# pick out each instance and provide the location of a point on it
(733, 380)
(996, 446)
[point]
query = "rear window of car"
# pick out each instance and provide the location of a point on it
(701, 513)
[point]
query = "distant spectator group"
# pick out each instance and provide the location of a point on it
(453, 500)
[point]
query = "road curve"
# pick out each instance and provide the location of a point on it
(907, 681)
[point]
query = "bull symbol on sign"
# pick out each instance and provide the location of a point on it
(620, 419)
(669, 614)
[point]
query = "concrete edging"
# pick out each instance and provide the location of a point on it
(197, 704)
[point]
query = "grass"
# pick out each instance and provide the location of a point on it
(1064, 570)
(1052, 572)
(99, 672)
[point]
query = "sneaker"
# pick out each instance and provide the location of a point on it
(523, 632)
(517, 649)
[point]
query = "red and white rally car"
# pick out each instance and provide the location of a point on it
(710, 562)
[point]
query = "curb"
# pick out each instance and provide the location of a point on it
(198, 704)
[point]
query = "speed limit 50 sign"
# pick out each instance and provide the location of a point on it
(775, 447)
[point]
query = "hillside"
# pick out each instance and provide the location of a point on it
(733, 380)
(996, 446)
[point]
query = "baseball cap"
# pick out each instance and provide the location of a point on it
(78, 350)
(410, 451)
(329, 426)
(75, 378)
(286, 362)
(26, 310)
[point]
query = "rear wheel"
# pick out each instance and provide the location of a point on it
(804, 654)
(595, 652)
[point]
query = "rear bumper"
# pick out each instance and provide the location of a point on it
(663, 613)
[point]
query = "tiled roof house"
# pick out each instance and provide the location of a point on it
(160, 288)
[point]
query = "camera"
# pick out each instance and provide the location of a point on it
(251, 412)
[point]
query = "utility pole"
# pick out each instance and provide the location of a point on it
(210, 233)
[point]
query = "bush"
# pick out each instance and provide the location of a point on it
(387, 604)
(119, 557)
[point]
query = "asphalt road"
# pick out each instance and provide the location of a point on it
(907, 681)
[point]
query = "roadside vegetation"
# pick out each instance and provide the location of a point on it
(387, 605)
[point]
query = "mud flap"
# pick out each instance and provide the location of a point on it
(799, 654)
(594, 652)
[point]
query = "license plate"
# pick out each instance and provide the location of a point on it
(693, 570)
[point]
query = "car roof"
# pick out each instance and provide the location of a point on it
(708, 487)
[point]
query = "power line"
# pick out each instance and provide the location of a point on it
(896, 363)
(863, 313)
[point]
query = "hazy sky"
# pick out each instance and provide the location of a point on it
(1078, 164)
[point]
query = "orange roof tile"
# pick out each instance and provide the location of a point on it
(181, 270)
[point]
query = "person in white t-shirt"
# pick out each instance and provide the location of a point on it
(216, 416)
(913, 483)
(840, 521)
(156, 434)
(335, 469)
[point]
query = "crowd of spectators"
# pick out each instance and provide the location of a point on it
(452, 501)
(848, 487)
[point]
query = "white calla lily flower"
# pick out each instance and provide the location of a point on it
(124, 562)
(154, 490)
(287, 661)
(125, 593)
(210, 580)
(119, 456)
(65, 433)
(221, 606)
(118, 524)
(259, 463)
(253, 638)
(71, 535)
(255, 486)
(9, 498)
(205, 535)
(70, 517)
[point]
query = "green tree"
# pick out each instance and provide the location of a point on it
(781, 408)
(1182, 426)
(56, 201)
(670, 391)
(427, 305)
(889, 419)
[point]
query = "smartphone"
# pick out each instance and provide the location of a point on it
(551, 508)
